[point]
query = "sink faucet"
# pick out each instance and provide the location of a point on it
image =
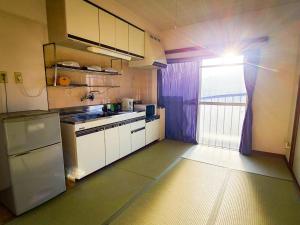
(90, 96)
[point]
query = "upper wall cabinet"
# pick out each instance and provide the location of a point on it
(82, 20)
(122, 33)
(89, 24)
(107, 24)
(136, 41)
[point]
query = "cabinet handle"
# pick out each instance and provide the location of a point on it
(137, 130)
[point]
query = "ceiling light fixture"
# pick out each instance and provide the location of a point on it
(107, 52)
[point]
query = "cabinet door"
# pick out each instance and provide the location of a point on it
(82, 20)
(156, 133)
(107, 28)
(90, 153)
(121, 35)
(138, 139)
(125, 140)
(152, 131)
(112, 144)
(136, 41)
(149, 132)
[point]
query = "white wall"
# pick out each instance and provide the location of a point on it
(23, 33)
(274, 99)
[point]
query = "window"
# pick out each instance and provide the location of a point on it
(222, 101)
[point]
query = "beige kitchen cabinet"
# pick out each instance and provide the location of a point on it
(82, 20)
(122, 32)
(107, 24)
(136, 41)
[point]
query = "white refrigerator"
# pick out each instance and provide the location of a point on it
(31, 159)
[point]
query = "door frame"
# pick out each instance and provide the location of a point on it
(295, 128)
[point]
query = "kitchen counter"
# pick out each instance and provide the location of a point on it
(84, 121)
(90, 114)
(93, 140)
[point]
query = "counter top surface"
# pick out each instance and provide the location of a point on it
(79, 118)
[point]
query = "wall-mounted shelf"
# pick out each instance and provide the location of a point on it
(50, 60)
(83, 80)
(83, 70)
(84, 86)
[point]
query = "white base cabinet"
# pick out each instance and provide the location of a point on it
(152, 131)
(88, 149)
(125, 139)
(138, 135)
(90, 153)
(112, 144)
(138, 139)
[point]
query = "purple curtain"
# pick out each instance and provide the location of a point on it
(252, 58)
(178, 90)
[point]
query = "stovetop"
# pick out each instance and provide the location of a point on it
(87, 116)
(93, 115)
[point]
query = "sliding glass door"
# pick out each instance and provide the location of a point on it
(222, 102)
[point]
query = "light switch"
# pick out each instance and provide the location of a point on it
(18, 77)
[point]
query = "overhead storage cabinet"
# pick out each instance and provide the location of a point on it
(107, 28)
(122, 32)
(82, 19)
(91, 25)
(136, 41)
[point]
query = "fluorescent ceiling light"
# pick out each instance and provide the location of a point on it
(108, 52)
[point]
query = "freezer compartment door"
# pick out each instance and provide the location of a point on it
(36, 177)
(28, 133)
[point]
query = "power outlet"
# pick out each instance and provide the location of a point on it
(3, 77)
(18, 77)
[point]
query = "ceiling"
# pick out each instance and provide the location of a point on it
(166, 14)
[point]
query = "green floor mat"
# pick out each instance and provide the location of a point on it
(90, 202)
(153, 160)
(252, 199)
(263, 165)
(185, 195)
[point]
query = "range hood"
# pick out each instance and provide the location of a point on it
(154, 55)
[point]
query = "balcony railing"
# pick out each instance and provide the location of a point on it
(221, 120)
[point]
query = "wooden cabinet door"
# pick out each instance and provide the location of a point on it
(107, 24)
(122, 32)
(136, 41)
(112, 144)
(140, 42)
(82, 20)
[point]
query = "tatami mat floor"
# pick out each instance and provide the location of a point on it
(157, 186)
(258, 164)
